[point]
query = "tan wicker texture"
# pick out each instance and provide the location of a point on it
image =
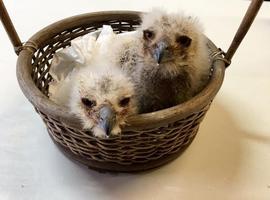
(148, 141)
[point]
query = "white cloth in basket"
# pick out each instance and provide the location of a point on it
(91, 48)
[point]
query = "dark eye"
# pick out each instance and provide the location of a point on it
(88, 103)
(183, 40)
(148, 35)
(124, 102)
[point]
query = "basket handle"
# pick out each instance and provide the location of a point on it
(9, 27)
(243, 29)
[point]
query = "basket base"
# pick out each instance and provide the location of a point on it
(104, 167)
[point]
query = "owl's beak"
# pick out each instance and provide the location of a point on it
(107, 119)
(159, 51)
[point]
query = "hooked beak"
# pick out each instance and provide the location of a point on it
(107, 119)
(159, 51)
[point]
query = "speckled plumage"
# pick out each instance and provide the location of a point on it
(107, 86)
(93, 87)
(184, 68)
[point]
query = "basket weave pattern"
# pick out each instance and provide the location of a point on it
(148, 140)
(131, 146)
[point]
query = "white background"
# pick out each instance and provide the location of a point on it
(229, 158)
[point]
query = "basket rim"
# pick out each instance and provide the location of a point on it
(136, 122)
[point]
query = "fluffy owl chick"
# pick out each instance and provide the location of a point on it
(174, 65)
(102, 98)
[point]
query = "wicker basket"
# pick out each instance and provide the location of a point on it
(149, 140)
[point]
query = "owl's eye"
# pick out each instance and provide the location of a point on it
(124, 102)
(184, 40)
(88, 103)
(148, 35)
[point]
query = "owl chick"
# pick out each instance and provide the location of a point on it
(175, 62)
(102, 98)
(167, 60)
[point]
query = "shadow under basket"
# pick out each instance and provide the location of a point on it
(148, 141)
